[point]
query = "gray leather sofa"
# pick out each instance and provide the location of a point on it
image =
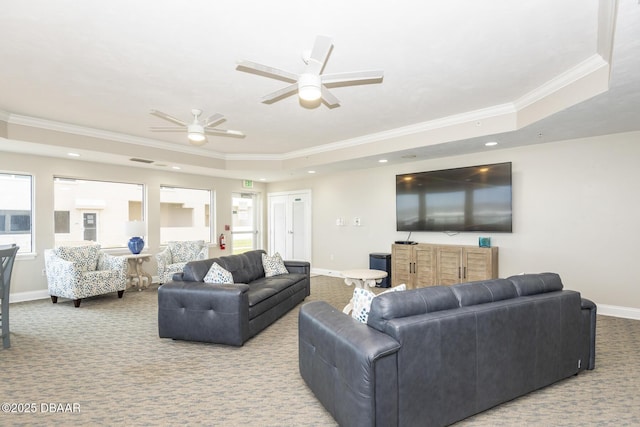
(433, 356)
(189, 309)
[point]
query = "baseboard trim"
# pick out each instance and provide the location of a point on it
(617, 311)
(28, 296)
(325, 272)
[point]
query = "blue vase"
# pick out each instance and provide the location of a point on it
(136, 244)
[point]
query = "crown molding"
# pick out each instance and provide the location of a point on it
(444, 122)
(17, 119)
(4, 116)
(589, 66)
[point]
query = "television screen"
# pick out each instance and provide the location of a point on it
(476, 198)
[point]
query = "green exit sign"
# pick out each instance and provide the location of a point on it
(247, 183)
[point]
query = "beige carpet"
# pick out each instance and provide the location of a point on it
(105, 359)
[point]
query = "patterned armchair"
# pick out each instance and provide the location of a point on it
(176, 255)
(78, 272)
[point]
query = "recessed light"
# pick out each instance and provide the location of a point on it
(490, 143)
(383, 161)
(176, 167)
(263, 179)
(73, 154)
(311, 171)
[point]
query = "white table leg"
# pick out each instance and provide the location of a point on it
(357, 283)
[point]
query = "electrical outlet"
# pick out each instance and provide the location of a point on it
(357, 221)
(44, 273)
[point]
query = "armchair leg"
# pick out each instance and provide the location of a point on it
(76, 302)
(54, 299)
(120, 294)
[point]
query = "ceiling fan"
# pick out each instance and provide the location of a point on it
(311, 84)
(197, 129)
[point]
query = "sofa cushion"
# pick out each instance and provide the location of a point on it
(531, 284)
(273, 265)
(485, 291)
(245, 267)
(217, 274)
(362, 299)
(267, 292)
(84, 258)
(410, 303)
(185, 251)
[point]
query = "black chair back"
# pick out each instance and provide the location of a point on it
(7, 257)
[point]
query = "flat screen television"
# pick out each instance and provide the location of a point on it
(475, 198)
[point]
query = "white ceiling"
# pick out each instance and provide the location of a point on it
(457, 73)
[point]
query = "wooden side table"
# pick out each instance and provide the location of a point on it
(136, 276)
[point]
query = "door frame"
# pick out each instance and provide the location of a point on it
(308, 229)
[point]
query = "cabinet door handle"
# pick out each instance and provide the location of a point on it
(459, 272)
(465, 272)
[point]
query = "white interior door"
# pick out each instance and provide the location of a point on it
(290, 225)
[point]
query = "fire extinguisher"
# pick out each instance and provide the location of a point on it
(222, 242)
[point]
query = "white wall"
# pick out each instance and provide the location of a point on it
(28, 282)
(576, 209)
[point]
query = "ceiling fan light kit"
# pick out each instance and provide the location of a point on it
(197, 129)
(196, 133)
(309, 87)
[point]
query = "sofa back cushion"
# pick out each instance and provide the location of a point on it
(482, 292)
(531, 284)
(410, 303)
(245, 268)
(84, 257)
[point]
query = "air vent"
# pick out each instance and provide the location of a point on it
(141, 160)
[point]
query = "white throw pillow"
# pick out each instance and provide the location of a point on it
(362, 299)
(273, 265)
(218, 275)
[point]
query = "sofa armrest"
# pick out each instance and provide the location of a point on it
(589, 311)
(204, 253)
(196, 311)
(301, 267)
(163, 258)
(62, 276)
(349, 366)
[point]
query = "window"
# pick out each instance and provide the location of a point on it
(86, 210)
(61, 222)
(244, 219)
(185, 214)
(16, 210)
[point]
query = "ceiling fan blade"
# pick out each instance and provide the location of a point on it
(375, 76)
(225, 132)
(319, 54)
(168, 117)
(167, 129)
(329, 98)
(212, 119)
(266, 71)
(279, 94)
